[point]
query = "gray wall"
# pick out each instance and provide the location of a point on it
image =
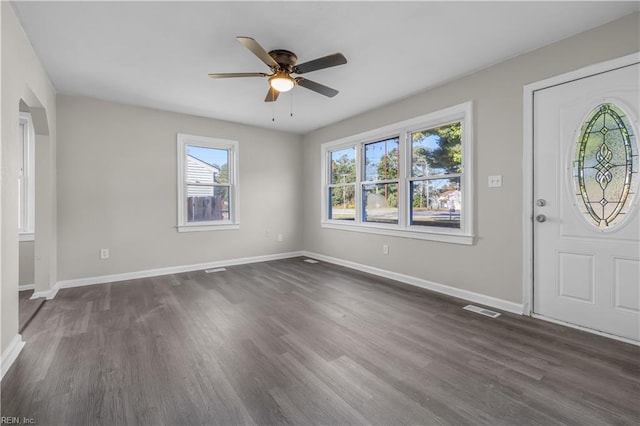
(118, 186)
(493, 266)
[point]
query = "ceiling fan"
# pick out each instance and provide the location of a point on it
(283, 64)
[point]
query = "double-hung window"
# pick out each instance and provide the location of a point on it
(26, 179)
(410, 179)
(342, 184)
(380, 183)
(436, 168)
(207, 183)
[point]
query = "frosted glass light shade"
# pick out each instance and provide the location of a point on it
(281, 82)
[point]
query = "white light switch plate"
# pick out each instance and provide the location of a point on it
(495, 181)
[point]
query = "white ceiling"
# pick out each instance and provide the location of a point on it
(158, 54)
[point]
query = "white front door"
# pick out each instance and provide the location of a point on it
(586, 220)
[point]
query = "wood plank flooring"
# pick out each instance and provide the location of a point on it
(27, 308)
(287, 342)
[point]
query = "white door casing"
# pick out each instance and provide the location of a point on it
(586, 272)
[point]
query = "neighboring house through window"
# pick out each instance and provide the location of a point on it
(26, 179)
(207, 183)
(410, 179)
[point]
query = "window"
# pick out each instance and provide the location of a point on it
(207, 183)
(26, 179)
(380, 186)
(342, 187)
(436, 168)
(410, 179)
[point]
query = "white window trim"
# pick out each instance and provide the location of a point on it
(26, 236)
(465, 235)
(27, 219)
(234, 211)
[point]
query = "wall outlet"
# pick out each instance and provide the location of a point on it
(495, 181)
(385, 249)
(104, 254)
(280, 237)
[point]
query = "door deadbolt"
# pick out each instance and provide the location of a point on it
(541, 203)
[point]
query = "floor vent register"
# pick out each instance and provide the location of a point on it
(482, 311)
(212, 270)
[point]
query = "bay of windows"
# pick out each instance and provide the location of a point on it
(410, 179)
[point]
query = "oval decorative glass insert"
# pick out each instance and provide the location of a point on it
(606, 166)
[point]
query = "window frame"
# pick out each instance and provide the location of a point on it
(363, 183)
(26, 178)
(462, 113)
(354, 184)
(185, 140)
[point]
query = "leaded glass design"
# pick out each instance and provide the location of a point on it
(606, 166)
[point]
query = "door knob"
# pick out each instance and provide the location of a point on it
(541, 203)
(541, 218)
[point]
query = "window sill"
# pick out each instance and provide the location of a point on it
(26, 236)
(417, 234)
(208, 227)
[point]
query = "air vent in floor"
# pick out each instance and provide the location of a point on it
(311, 261)
(482, 311)
(212, 270)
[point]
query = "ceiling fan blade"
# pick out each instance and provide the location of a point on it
(257, 50)
(238, 74)
(316, 87)
(321, 63)
(272, 95)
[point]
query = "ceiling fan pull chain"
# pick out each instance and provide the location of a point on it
(273, 111)
(291, 106)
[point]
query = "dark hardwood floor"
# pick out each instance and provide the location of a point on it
(287, 342)
(27, 308)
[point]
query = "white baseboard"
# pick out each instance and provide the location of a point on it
(10, 354)
(493, 302)
(482, 299)
(25, 287)
(47, 294)
(79, 282)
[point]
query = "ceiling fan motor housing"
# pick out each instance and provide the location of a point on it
(285, 58)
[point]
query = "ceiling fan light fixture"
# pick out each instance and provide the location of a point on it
(282, 64)
(281, 82)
